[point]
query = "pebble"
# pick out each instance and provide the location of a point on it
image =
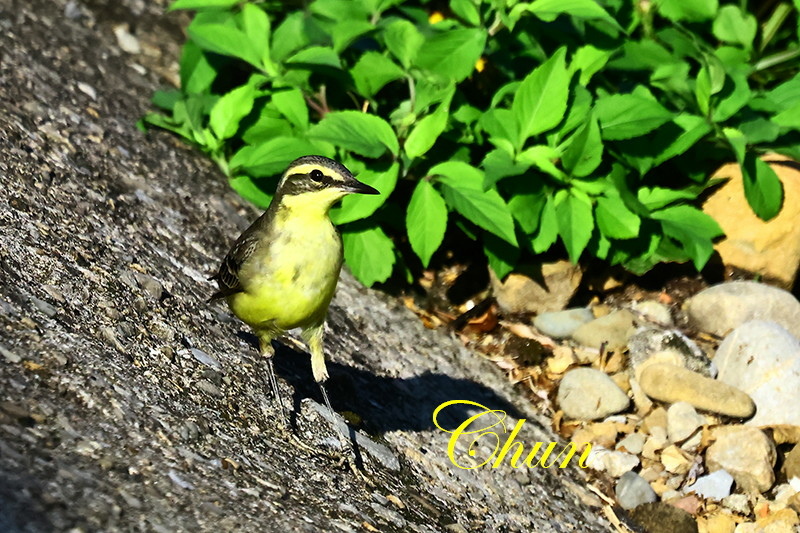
(44, 307)
(613, 330)
(738, 503)
(632, 443)
(126, 40)
(589, 394)
(716, 485)
(204, 358)
(649, 345)
(675, 460)
(763, 359)
(660, 517)
(791, 463)
(682, 421)
(614, 463)
(8, 355)
(654, 312)
(721, 308)
(561, 324)
(633, 490)
(671, 384)
(783, 521)
(210, 388)
(746, 453)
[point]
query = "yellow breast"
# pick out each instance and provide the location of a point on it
(290, 280)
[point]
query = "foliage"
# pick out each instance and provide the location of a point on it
(517, 123)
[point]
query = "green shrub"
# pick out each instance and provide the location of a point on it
(517, 123)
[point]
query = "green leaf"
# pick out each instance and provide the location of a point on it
(403, 40)
(467, 11)
(197, 73)
(426, 221)
(463, 191)
(732, 25)
(733, 97)
(693, 228)
(424, 135)
(543, 157)
(688, 10)
(322, 56)
(585, 150)
(501, 125)
(252, 190)
(358, 132)
(270, 158)
(694, 128)
(255, 24)
(548, 10)
(501, 255)
(230, 109)
(702, 90)
(615, 220)
(373, 71)
(789, 118)
(527, 200)
(623, 116)
(499, 164)
(760, 130)
(202, 4)
(541, 99)
(289, 36)
(224, 39)
(292, 105)
(548, 228)
(762, 187)
(575, 223)
(658, 197)
(589, 60)
(453, 53)
(369, 254)
(359, 206)
(344, 34)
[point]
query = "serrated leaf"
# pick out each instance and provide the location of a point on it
(453, 53)
(292, 105)
(658, 197)
(369, 254)
(463, 191)
(541, 100)
(255, 24)
(501, 125)
(732, 25)
(224, 39)
(548, 10)
(789, 118)
(548, 228)
(694, 128)
(270, 158)
(424, 135)
(615, 220)
(575, 224)
(688, 10)
(543, 157)
(624, 116)
(345, 34)
(733, 97)
(322, 56)
(373, 71)
(589, 60)
(467, 11)
(403, 40)
(359, 206)
(230, 109)
(426, 221)
(693, 228)
(358, 132)
(585, 150)
(762, 187)
(499, 164)
(197, 73)
(289, 36)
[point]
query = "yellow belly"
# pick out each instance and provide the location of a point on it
(290, 282)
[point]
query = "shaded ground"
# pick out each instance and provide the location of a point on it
(126, 402)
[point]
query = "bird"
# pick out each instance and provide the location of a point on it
(282, 271)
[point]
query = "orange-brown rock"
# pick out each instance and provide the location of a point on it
(771, 248)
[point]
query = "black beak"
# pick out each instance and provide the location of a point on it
(355, 186)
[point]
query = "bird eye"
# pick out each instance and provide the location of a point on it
(317, 175)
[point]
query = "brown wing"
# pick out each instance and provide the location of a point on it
(227, 277)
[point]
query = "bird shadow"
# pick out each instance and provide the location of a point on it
(379, 404)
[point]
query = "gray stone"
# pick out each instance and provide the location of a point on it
(589, 394)
(561, 324)
(632, 443)
(721, 308)
(649, 341)
(746, 453)
(660, 517)
(633, 490)
(716, 485)
(654, 312)
(612, 330)
(763, 360)
(682, 421)
(671, 384)
(614, 463)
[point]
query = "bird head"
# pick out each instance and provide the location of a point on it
(318, 181)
